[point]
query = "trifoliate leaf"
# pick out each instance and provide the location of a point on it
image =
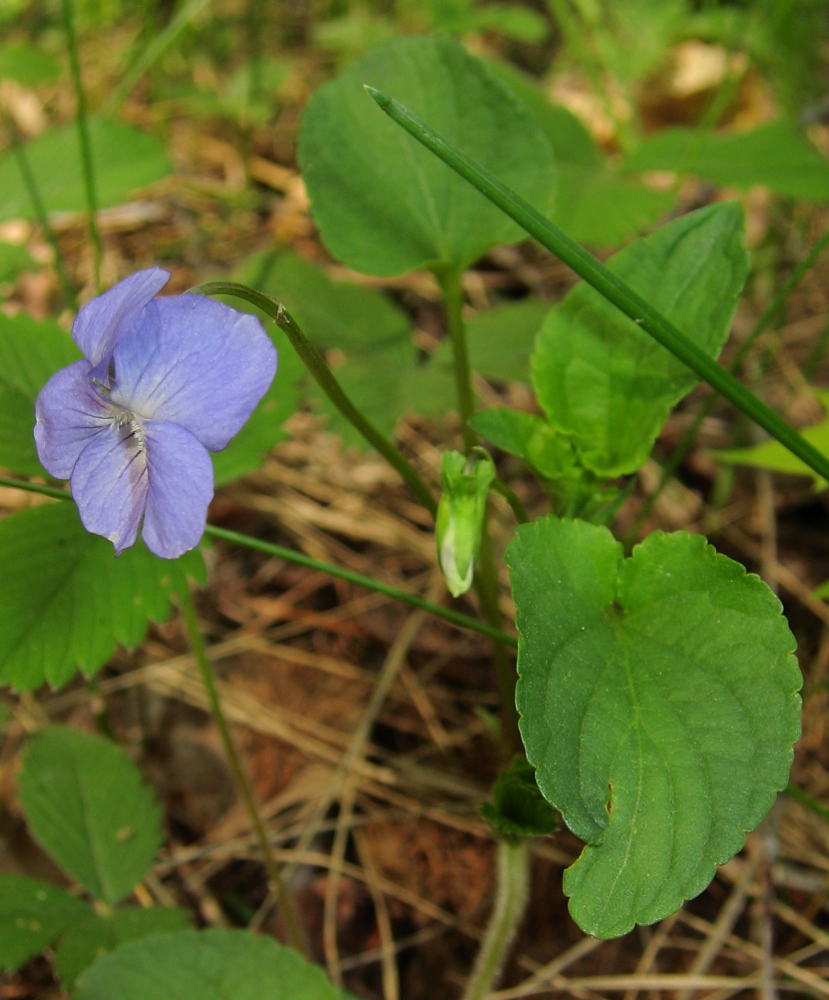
(66, 600)
(32, 915)
(658, 701)
(606, 383)
(215, 964)
(87, 805)
(95, 936)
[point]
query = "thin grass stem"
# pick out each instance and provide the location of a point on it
(188, 612)
(85, 144)
(291, 555)
(679, 454)
(40, 211)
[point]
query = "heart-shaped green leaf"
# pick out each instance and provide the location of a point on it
(604, 381)
(658, 700)
(383, 203)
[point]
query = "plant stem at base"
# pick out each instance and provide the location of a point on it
(512, 895)
(486, 572)
(200, 653)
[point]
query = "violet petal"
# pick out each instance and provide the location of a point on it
(68, 414)
(180, 476)
(101, 322)
(197, 363)
(109, 484)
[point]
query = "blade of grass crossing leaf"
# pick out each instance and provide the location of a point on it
(83, 137)
(606, 283)
(291, 555)
(678, 457)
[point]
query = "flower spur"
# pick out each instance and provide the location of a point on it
(163, 382)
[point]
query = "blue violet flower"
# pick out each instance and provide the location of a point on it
(163, 381)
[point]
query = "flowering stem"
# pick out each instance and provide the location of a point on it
(512, 894)
(40, 210)
(606, 283)
(486, 574)
(291, 555)
(83, 137)
(200, 653)
(315, 363)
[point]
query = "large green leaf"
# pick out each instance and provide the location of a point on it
(66, 600)
(371, 335)
(209, 965)
(89, 939)
(386, 205)
(606, 383)
(87, 805)
(30, 352)
(777, 155)
(658, 700)
(124, 158)
(32, 915)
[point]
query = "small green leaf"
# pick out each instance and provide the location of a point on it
(385, 205)
(529, 437)
(27, 65)
(658, 700)
(90, 939)
(518, 809)
(772, 456)
(87, 805)
(777, 155)
(264, 429)
(124, 158)
(30, 352)
(606, 383)
(32, 915)
(215, 964)
(66, 600)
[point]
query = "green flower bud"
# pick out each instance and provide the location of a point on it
(461, 513)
